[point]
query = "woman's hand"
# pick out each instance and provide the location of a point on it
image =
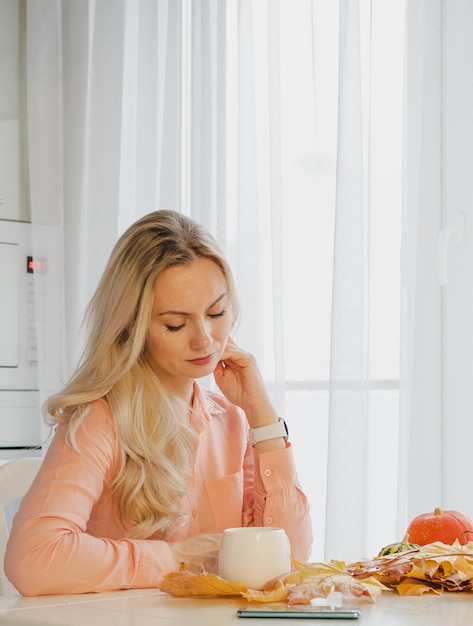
(199, 553)
(239, 379)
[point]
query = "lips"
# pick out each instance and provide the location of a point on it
(204, 360)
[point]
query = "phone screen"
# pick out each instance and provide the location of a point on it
(299, 611)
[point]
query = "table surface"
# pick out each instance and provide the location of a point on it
(150, 607)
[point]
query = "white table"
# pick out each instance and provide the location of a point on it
(152, 608)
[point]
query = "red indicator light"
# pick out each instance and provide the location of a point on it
(40, 265)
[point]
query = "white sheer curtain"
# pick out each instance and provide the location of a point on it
(104, 146)
(275, 124)
(318, 151)
(437, 255)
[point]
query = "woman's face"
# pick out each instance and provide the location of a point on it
(190, 322)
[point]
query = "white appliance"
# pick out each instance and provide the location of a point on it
(21, 426)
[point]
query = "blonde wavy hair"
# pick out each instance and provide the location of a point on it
(152, 426)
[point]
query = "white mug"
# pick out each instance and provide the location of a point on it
(254, 555)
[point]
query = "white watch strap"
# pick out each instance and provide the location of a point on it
(271, 431)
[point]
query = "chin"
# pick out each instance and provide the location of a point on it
(202, 372)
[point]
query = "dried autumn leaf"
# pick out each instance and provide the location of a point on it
(433, 567)
(278, 593)
(464, 565)
(414, 587)
(350, 588)
(316, 580)
(185, 583)
(308, 570)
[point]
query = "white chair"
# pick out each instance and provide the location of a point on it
(16, 477)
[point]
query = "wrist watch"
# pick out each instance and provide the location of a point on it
(271, 431)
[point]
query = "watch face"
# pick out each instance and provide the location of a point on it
(283, 421)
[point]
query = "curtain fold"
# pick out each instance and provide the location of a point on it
(94, 72)
(248, 200)
(275, 199)
(421, 387)
(348, 404)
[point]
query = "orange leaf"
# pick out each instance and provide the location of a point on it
(434, 567)
(184, 583)
(414, 587)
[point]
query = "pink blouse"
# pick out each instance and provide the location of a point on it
(67, 536)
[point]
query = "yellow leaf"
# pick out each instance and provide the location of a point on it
(413, 587)
(277, 594)
(465, 566)
(435, 566)
(310, 570)
(184, 583)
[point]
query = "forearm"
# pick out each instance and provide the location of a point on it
(264, 414)
(57, 562)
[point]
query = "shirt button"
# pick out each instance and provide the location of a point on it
(269, 520)
(267, 472)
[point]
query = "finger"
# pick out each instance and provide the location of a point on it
(236, 355)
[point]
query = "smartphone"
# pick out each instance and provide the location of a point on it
(299, 611)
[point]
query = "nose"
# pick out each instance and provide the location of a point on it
(201, 338)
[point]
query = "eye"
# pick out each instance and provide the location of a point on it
(222, 313)
(173, 329)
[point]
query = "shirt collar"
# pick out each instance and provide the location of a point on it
(203, 408)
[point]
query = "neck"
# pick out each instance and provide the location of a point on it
(183, 389)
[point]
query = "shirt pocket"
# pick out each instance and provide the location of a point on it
(226, 500)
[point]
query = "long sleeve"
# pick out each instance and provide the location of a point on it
(280, 501)
(51, 549)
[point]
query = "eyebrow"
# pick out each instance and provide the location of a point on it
(184, 313)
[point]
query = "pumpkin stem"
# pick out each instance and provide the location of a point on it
(405, 539)
(438, 511)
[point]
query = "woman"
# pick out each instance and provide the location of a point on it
(145, 468)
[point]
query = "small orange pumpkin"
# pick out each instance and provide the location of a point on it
(444, 526)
